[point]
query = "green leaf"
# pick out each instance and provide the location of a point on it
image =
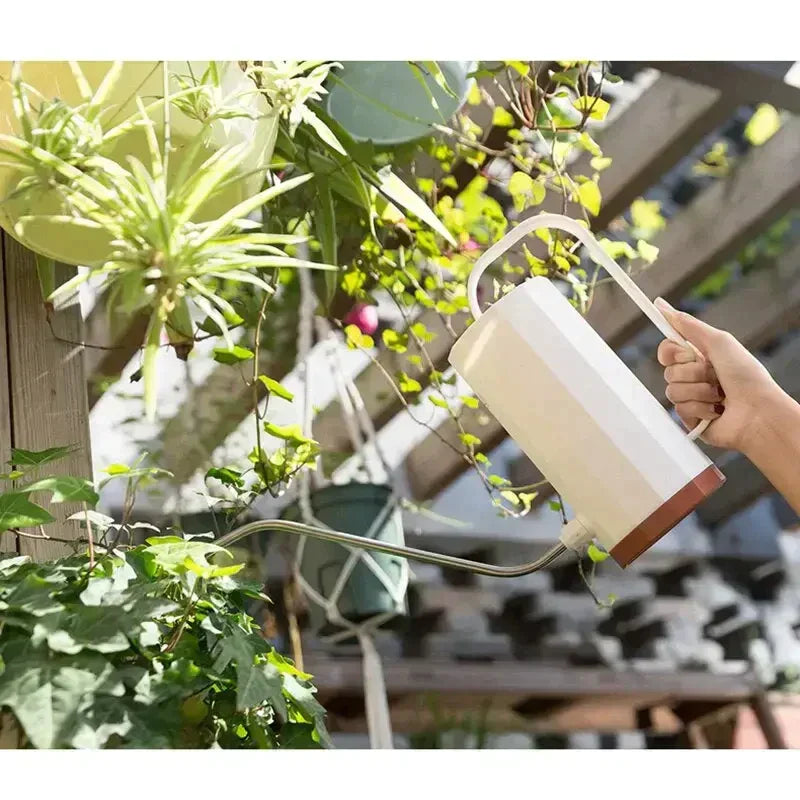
(398, 342)
(497, 480)
(646, 215)
(234, 355)
(276, 388)
(763, 125)
(469, 440)
(469, 402)
(11, 476)
(357, 339)
(595, 107)
(407, 384)
(35, 458)
(289, 433)
(596, 554)
(647, 251)
(599, 163)
(16, 511)
(227, 476)
(502, 118)
(117, 469)
(65, 489)
(419, 330)
(440, 402)
(589, 197)
(397, 191)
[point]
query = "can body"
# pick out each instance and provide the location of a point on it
(605, 444)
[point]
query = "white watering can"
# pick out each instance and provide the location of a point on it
(604, 443)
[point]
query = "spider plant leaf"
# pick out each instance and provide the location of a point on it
(206, 181)
(150, 194)
(324, 132)
(19, 100)
(395, 190)
(247, 206)
(249, 262)
(159, 182)
(80, 79)
(105, 88)
(243, 277)
(152, 343)
(68, 288)
(208, 309)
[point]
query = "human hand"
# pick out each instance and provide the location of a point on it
(731, 387)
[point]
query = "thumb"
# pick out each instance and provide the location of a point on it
(694, 330)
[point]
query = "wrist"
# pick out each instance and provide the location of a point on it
(774, 414)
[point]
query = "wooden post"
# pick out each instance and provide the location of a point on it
(42, 387)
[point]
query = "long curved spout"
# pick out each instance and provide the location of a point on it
(364, 543)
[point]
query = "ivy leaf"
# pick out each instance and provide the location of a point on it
(227, 476)
(469, 440)
(276, 388)
(259, 684)
(234, 355)
(589, 197)
(47, 695)
(596, 107)
(600, 163)
(16, 511)
(763, 125)
(35, 458)
(65, 489)
(34, 595)
(419, 330)
(439, 402)
(497, 480)
(469, 402)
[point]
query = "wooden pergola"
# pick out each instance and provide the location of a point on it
(48, 383)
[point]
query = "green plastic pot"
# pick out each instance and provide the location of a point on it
(353, 508)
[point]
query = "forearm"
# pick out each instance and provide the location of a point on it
(773, 445)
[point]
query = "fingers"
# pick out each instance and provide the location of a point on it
(696, 372)
(688, 392)
(670, 353)
(692, 411)
(691, 328)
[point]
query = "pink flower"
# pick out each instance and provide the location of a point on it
(364, 317)
(469, 246)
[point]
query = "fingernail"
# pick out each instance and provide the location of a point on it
(662, 305)
(719, 408)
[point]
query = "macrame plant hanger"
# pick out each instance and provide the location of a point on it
(372, 465)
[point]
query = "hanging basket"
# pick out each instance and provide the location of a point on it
(385, 102)
(364, 509)
(77, 245)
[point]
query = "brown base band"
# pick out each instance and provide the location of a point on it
(667, 516)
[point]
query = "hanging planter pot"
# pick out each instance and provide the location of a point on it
(53, 81)
(384, 101)
(365, 509)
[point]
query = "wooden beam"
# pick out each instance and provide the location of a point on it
(47, 404)
(762, 306)
(743, 81)
(644, 142)
(413, 676)
(8, 542)
(121, 338)
(727, 215)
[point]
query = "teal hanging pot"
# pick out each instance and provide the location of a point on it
(385, 102)
(364, 509)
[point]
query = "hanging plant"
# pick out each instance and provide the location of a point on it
(82, 112)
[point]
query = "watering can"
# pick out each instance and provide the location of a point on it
(604, 443)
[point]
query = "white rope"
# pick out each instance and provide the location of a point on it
(377, 707)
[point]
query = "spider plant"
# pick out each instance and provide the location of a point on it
(161, 260)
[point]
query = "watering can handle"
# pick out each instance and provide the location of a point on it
(600, 256)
